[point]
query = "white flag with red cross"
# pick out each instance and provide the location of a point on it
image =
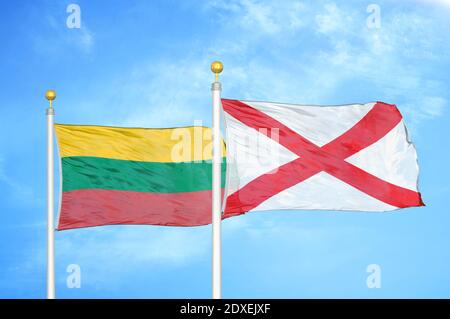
(354, 157)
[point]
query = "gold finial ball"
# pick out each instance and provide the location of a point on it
(216, 67)
(50, 95)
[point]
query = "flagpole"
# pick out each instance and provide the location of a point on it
(216, 68)
(50, 95)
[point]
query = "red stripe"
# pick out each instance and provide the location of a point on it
(263, 123)
(265, 186)
(379, 121)
(93, 207)
(382, 190)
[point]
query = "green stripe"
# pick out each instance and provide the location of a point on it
(80, 172)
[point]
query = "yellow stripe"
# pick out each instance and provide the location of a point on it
(182, 144)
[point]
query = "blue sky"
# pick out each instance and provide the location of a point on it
(146, 63)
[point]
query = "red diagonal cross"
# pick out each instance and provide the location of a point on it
(330, 158)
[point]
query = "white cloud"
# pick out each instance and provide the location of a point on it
(84, 39)
(108, 254)
(136, 249)
(59, 38)
(389, 59)
(434, 106)
(278, 50)
(443, 3)
(425, 108)
(170, 94)
(19, 192)
(348, 51)
(262, 17)
(332, 20)
(147, 245)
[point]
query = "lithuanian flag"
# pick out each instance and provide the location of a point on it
(113, 175)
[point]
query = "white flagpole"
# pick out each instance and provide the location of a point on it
(50, 95)
(216, 68)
